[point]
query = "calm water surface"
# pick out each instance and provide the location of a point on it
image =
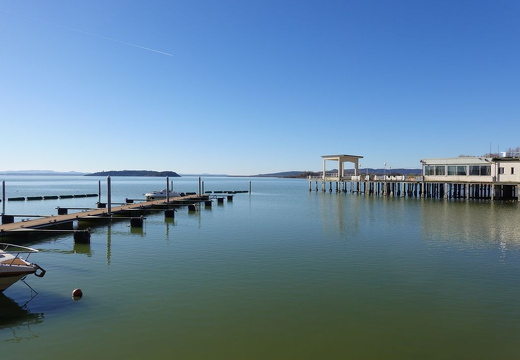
(282, 273)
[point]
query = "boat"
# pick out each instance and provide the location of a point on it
(163, 194)
(14, 265)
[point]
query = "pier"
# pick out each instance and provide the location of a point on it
(456, 178)
(63, 222)
(402, 186)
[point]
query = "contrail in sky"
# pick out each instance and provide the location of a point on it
(91, 34)
(114, 40)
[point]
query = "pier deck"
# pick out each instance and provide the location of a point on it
(59, 219)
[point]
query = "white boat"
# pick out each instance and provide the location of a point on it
(156, 195)
(14, 264)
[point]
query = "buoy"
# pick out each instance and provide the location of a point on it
(77, 294)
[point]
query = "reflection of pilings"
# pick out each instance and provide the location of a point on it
(109, 244)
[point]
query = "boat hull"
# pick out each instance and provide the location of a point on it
(159, 195)
(9, 276)
(13, 267)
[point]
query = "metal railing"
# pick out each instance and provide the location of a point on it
(335, 177)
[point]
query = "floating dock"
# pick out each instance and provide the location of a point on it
(63, 222)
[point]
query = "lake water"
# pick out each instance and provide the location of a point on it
(281, 273)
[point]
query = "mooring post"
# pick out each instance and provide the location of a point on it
(82, 236)
(7, 219)
(3, 197)
(200, 186)
(99, 191)
(167, 190)
(250, 187)
(137, 222)
(109, 196)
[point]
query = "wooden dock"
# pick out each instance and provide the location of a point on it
(54, 221)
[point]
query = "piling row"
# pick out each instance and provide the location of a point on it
(423, 189)
(49, 197)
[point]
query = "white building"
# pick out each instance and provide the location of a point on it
(470, 169)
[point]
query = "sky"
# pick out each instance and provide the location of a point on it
(244, 87)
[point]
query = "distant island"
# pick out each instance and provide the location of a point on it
(135, 173)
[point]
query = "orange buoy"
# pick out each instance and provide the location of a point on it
(77, 294)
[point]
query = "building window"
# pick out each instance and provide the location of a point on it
(512, 170)
(474, 170)
(462, 170)
(501, 171)
(429, 170)
(440, 170)
(483, 170)
(452, 170)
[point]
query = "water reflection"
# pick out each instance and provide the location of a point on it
(83, 249)
(460, 223)
(16, 321)
(472, 223)
(169, 222)
(339, 214)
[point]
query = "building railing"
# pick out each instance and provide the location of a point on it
(334, 177)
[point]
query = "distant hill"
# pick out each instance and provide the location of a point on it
(40, 172)
(284, 174)
(136, 173)
(370, 171)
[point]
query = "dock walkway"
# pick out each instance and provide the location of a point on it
(53, 220)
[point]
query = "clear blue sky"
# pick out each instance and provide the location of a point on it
(247, 87)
